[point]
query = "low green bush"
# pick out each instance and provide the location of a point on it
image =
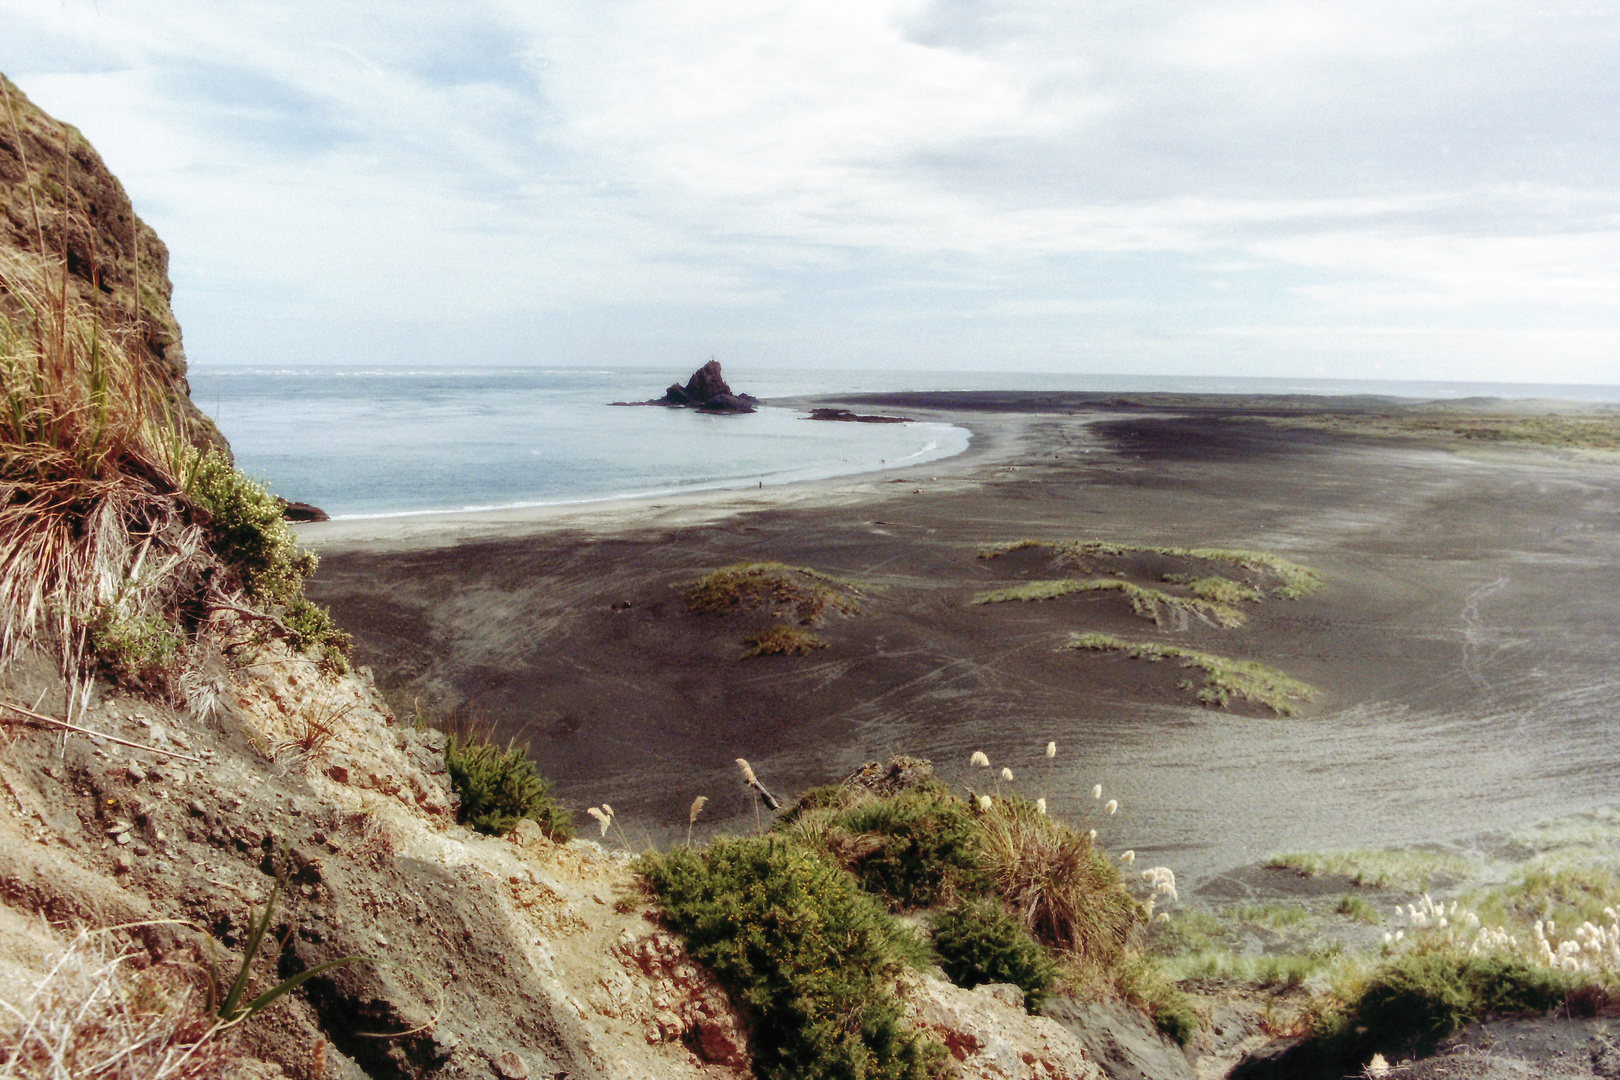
(809, 956)
(133, 649)
(246, 530)
(315, 629)
(499, 787)
(919, 848)
(1430, 995)
(980, 942)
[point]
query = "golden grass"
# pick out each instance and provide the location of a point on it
(807, 593)
(1223, 676)
(782, 640)
(1291, 580)
(1144, 601)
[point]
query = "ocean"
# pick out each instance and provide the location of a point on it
(382, 442)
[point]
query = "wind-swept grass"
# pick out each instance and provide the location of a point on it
(1145, 602)
(1221, 590)
(1287, 579)
(1395, 869)
(805, 592)
(1223, 676)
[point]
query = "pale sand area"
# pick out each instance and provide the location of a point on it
(1464, 648)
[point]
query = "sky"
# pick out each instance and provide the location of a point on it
(1424, 189)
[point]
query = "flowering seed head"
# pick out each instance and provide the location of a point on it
(1006, 774)
(984, 803)
(1051, 749)
(1113, 805)
(1040, 806)
(606, 809)
(1096, 792)
(747, 771)
(601, 818)
(1128, 858)
(697, 807)
(979, 759)
(1093, 834)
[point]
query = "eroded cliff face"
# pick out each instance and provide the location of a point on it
(59, 201)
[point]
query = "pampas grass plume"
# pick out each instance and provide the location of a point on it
(984, 803)
(1096, 792)
(747, 770)
(697, 808)
(1040, 806)
(1051, 749)
(1113, 805)
(601, 818)
(1128, 858)
(1006, 774)
(979, 759)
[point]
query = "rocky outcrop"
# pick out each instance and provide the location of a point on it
(707, 390)
(848, 417)
(58, 201)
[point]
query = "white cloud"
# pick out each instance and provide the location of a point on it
(590, 180)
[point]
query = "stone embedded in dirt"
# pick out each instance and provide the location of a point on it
(510, 1066)
(527, 832)
(339, 771)
(135, 772)
(122, 863)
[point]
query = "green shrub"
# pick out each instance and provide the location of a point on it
(810, 957)
(1430, 995)
(499, 787)
(916, 849)
(315, 629)
(980, 942)
(246, 530)
(133, 649)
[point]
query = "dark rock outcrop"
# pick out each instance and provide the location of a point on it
(302, 511)
(856, 418)
(58, 201)
(707, 391)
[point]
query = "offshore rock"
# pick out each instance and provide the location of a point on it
(707, 391)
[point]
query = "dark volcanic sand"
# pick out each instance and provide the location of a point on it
(1465, 646)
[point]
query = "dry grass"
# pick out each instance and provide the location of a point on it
(314, 726)
(1058, 881)
(782, 640)
(1223, 676)
(807, 593)
(95, 1015)
(1145, 602)
(1285, 578)
(1219, 589)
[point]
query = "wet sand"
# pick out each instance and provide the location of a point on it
(1464, 647)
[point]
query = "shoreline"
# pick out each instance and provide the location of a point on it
(1464, 611)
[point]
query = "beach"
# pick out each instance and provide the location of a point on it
(1461, 649)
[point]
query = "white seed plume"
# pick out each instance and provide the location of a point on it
(1006, 774)
(984, 803)
(1051, 749)
(1092, 834)
(1040, 806)
(1096, 792)
(979, 759)
(747, 771)
(601, 818)
(697, 808)
(1113, 805)
(1128, 858)
(606, 809)
(1163, 916)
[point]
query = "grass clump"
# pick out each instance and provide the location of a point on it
(1220, 590)
(807, 593)
(1145, 602)
(1058, 882)
(1223, 676)
(782, 640)
(1289, 580)
(1413, 870)
(920, 848)
(499, 787)
(980, 942)
(808, 955)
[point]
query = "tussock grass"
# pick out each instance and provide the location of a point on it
(119, 534)
(807, 593)
(95, 1015)
(1219, 589)
(1145, 602)
(782, 640)
(1258, 969)
(1291, 580)
(1413, 870)
(1223, 676)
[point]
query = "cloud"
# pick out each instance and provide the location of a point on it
(583, 181)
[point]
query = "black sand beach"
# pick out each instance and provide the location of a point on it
(1463, 647)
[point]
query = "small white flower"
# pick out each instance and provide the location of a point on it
(979, 759)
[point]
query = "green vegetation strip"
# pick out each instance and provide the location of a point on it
(1145, 602)
(1294, 579)
(1223, 676)
(1414, 870)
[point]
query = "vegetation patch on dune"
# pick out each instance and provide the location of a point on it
(782, 640)
(1401, 869)
(1224, 677)
(1593, 432)
(1144, 601)
(1285, 579)
(806, 593)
